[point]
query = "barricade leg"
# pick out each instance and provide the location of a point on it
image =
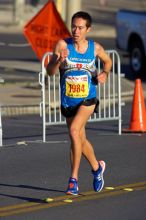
(1, 143)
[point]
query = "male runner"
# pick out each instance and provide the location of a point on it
(75, 58)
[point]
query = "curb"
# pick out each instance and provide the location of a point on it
(17, 110)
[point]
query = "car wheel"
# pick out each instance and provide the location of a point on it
(137, 58)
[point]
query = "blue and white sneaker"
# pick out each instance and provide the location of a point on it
(98, 181)
(72, 187)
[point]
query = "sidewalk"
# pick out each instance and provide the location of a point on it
(20, 93)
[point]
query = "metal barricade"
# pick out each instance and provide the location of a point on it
(1, 131)
(109, 95)
(1, 142)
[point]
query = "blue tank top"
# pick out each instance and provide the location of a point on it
(77, 73)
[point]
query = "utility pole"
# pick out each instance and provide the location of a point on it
(18, 10)
(72, 7)
(67, 8)
(61, 7)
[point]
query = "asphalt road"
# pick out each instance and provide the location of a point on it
(32, 171)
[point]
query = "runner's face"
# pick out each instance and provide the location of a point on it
(79, 29)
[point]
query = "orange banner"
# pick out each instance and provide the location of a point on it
(45, 29)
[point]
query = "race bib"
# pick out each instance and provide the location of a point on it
(77, 86)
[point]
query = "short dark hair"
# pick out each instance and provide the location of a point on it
(83, 15)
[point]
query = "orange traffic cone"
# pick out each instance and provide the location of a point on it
(138, 114)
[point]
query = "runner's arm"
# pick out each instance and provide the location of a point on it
(59, 54)
(107, 63)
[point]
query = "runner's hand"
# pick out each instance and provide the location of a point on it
(102, 77)
(63, 55)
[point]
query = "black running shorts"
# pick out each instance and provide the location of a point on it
(71, 111)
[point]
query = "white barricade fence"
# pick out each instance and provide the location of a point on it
(1, 143)
(109, 95)
(1, 131)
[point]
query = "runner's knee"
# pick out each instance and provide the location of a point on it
(74, 132)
